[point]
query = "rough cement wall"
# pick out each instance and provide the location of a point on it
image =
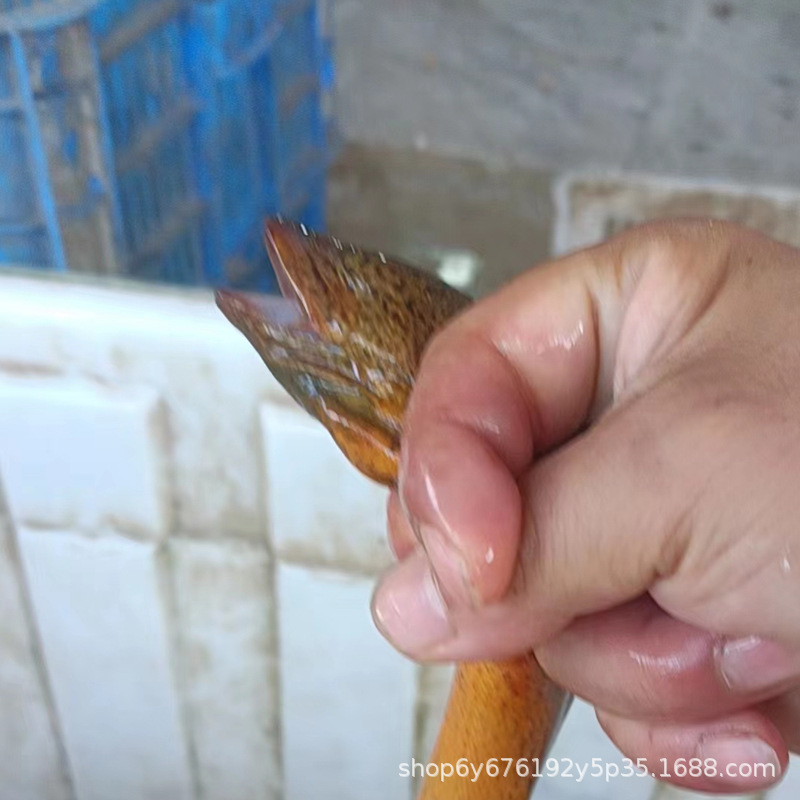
(702, 88)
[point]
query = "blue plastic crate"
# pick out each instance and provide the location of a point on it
(151, 111)
(260, 132)
(97, 149)
(328, 77)
(231, 28)
(151, 137)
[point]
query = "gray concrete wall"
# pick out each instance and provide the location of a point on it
(700, 88)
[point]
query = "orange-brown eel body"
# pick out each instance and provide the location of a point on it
(345, 342)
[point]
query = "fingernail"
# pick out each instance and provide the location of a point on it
(408, 608)
(449, 567)
(753, 663)
(742, 760)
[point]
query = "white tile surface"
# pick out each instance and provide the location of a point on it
(321, 509)
(582, 739)
(178, 343)
(348, 698)
(99, 606)
(229, 670)
(30, 765)
(433, 689)
(434, 683)
(83, 456)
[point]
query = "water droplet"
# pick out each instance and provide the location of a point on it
(304, 229)
(786, 563)
(562, 341)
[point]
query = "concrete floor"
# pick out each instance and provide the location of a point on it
(690, 88)
(416, 205)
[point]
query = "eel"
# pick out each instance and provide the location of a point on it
(345, 341)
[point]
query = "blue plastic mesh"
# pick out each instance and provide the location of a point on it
(155, 136)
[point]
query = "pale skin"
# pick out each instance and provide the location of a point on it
(601, 462)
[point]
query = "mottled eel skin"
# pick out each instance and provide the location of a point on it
(345, 343)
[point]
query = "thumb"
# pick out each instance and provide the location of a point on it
(491, 458)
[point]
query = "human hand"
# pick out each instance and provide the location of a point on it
(601, 462)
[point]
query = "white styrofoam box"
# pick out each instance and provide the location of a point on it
(81, 456)
(433, 690)
(580, 740)
(348, 699)
(178, 343)
(101, 611)
(591, 206)
(789, 787)
(226, 632)
(321, 509)
(30, 763)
